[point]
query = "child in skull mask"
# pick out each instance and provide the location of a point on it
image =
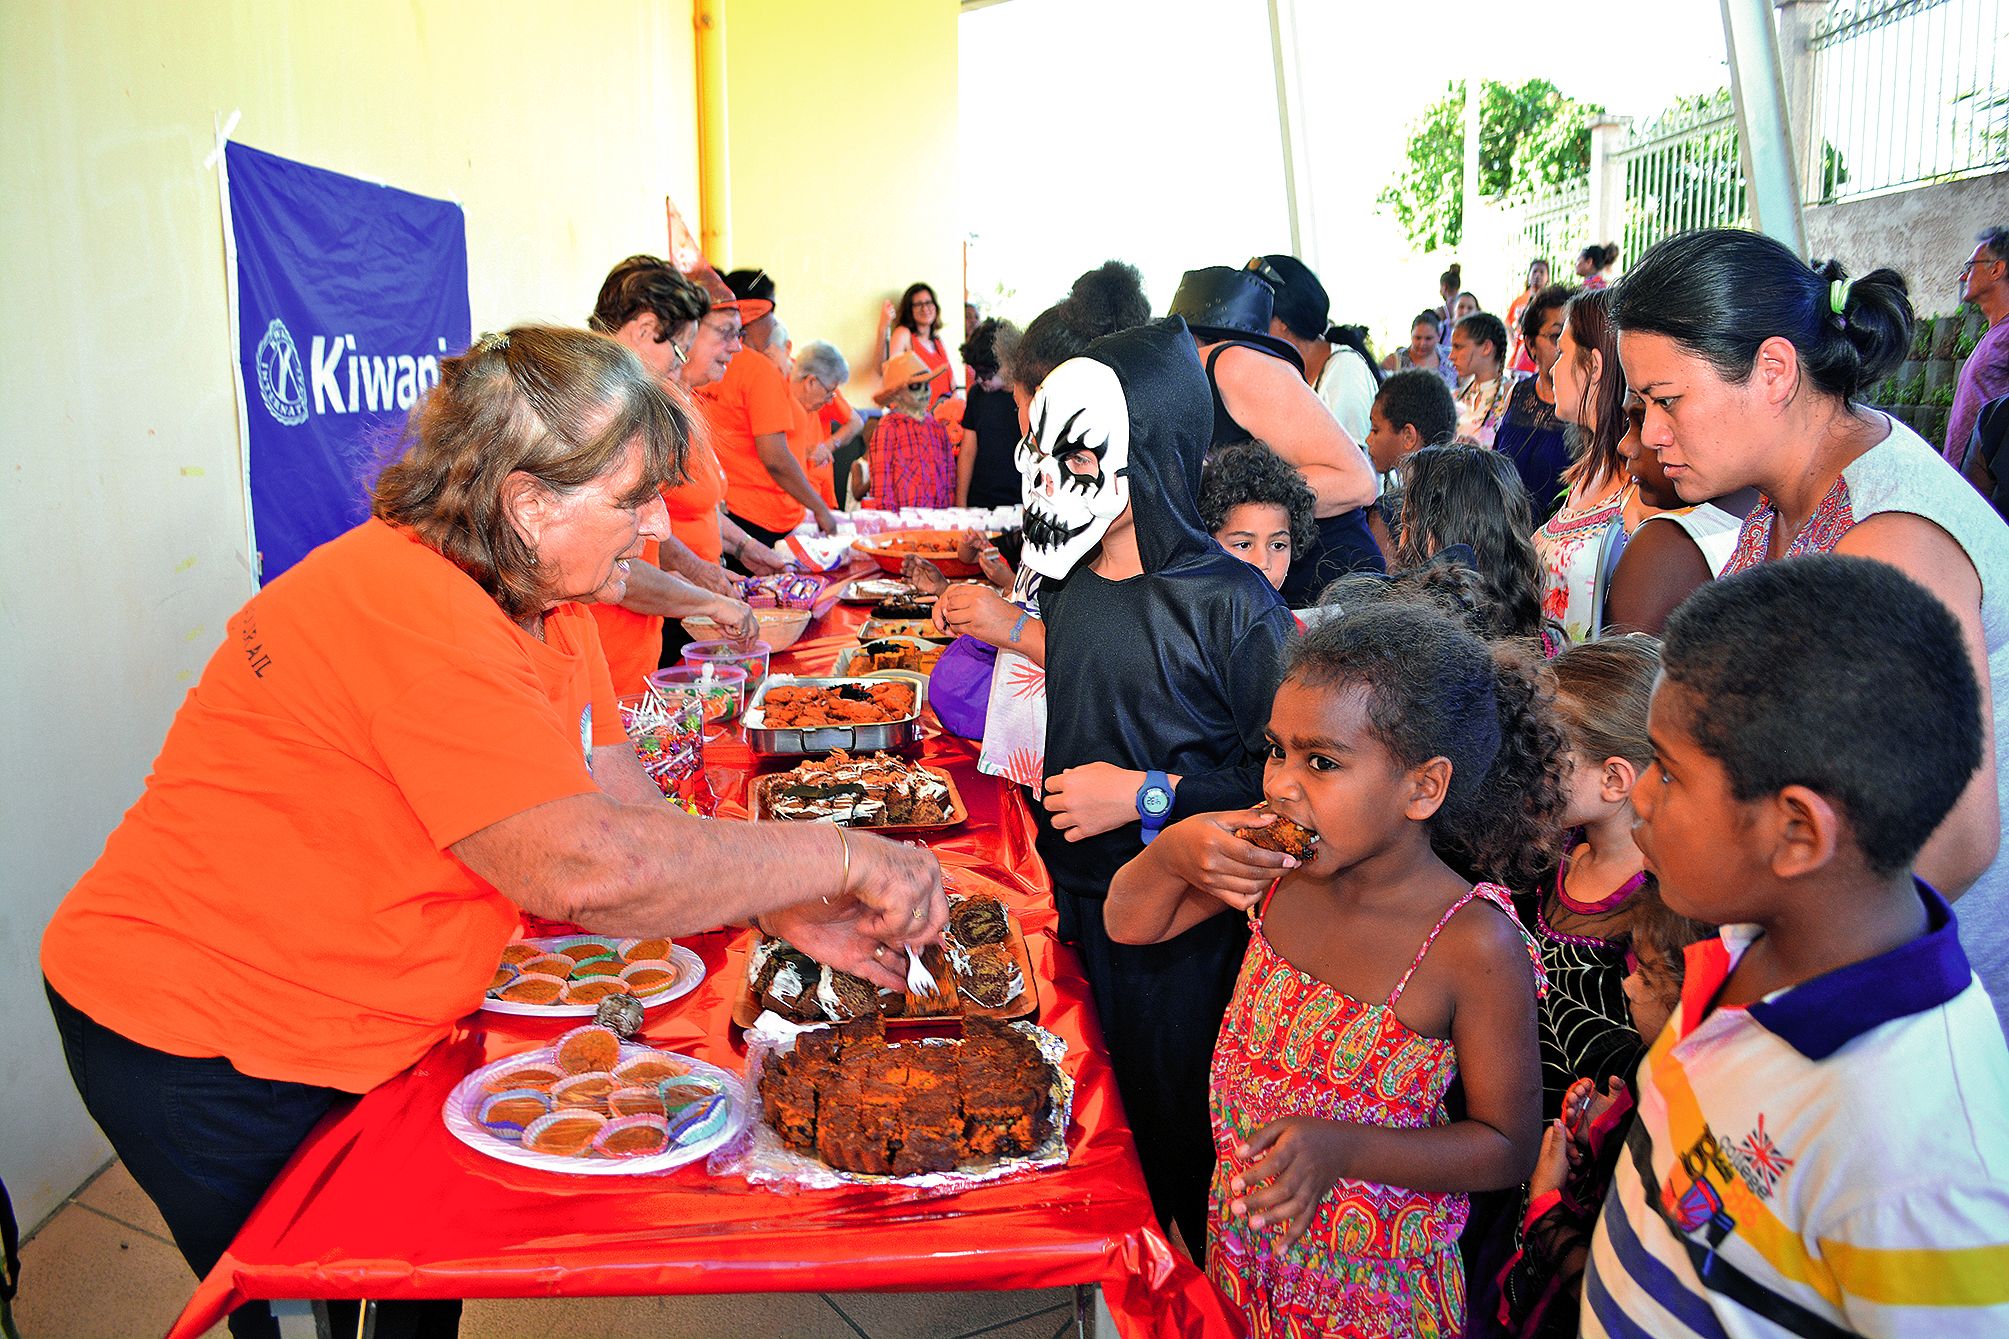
(1163, 651)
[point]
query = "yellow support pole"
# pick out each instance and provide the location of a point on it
(714, 165)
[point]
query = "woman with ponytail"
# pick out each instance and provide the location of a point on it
(1594, 261)
(1751, 364)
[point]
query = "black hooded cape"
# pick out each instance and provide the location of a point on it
(1174, 669)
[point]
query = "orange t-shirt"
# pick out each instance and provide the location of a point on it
(282, 895)
(837, 412)
(693, 504)
(751, 400)
(633, 642)
(805, 434)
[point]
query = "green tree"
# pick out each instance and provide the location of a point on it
(1532, 140)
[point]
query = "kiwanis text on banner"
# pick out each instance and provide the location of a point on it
(348, 295)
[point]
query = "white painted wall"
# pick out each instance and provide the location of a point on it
(559, 128)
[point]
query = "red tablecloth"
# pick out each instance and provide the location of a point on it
(382, 1202)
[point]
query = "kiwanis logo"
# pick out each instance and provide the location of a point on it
(282, 381)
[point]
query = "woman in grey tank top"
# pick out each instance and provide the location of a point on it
(1750, 363)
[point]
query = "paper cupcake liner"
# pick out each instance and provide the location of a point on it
(636, 975)
(533, 980)
(578, 1090)
(538, 1075)
(648, 1071)
(504, 1112)
(535, 1133)
(701, 1120)
(622, 1137)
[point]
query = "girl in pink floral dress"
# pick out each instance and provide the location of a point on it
(1377, 971)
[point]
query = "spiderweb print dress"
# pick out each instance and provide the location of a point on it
(1377, 1260)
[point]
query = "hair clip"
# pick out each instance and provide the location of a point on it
(495, 341)
(1265, 271)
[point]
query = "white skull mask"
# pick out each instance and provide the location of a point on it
(1075, 464)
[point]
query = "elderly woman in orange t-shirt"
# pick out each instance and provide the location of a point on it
(403, 742)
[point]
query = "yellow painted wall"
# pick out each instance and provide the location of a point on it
(842, 133)
(558, 128)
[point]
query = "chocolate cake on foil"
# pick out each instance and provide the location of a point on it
(861, 1104)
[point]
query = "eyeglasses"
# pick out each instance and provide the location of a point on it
(1265, 271)
(679, 352)
(728, 329)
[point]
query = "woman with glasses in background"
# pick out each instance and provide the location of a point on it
(917, 329)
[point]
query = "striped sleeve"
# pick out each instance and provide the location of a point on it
(1927, 1260)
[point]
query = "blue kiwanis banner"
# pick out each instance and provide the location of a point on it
(348, 295)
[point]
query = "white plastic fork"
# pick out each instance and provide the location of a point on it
(920, 981)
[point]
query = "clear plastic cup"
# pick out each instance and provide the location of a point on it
(751, 657)
(719, 689)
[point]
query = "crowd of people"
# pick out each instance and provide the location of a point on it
(1593, 775)
(1529, 810)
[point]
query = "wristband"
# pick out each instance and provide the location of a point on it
(1019, 626)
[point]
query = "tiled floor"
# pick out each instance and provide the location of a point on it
(102, 1267)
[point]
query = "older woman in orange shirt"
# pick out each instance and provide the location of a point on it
(403, 742)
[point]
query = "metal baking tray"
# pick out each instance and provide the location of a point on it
(924, 629)
(791, 740)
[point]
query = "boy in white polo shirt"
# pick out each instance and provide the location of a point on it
(1823, 1137)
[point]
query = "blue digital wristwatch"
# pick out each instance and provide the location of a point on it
(1154, 803)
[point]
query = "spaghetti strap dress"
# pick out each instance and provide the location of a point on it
(1377, 1260)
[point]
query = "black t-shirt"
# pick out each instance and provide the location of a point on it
(1177, 671)
(992, 416)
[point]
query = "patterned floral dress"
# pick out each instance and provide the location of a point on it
(1377, 1260)
(1578, 547)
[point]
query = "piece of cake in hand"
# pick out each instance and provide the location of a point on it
(1293, 839)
